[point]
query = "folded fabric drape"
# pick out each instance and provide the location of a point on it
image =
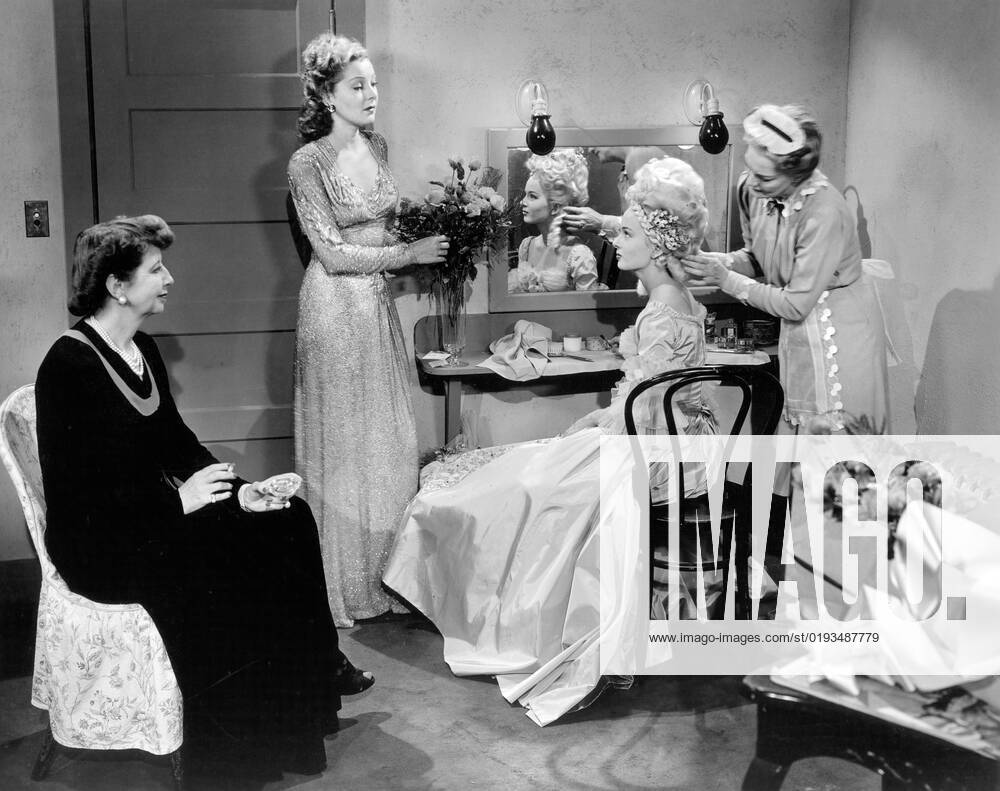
(523, 354)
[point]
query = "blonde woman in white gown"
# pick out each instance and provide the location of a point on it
(499, 548)
(550, 261)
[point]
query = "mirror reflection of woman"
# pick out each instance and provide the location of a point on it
(500, 548)
(552, 260)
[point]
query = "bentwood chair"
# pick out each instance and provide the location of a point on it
(759, 390)
(101, 670)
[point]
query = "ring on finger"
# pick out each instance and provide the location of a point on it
(212, 497)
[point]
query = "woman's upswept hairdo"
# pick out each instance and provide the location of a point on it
(799, 163)
(669, 197)
(323, 62)
(563, 175)
(114, 248)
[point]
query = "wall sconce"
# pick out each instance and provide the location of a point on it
(701, 107)
(532, 106)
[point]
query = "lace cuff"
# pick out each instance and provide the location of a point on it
(627, 345)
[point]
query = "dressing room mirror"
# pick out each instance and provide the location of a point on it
(605, 150)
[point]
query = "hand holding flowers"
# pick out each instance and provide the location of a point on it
(467, 210)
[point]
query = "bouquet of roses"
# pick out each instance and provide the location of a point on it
(470, 212)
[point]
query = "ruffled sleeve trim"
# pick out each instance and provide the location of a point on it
(581, 266)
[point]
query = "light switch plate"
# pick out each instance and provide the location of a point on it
(36, 218)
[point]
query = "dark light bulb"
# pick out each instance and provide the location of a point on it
(541, 137)
(713, 135)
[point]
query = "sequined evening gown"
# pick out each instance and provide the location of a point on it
(355, 436)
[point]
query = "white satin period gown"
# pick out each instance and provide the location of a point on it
(500, 547)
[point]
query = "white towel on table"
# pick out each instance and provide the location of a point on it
(521, 355)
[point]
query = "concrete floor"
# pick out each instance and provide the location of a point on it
(422, 728)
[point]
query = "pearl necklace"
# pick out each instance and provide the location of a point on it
(133, 358)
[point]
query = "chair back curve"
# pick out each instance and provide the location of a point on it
(19, 451)
(752, 381)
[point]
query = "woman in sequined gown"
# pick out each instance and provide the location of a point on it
(355, 438)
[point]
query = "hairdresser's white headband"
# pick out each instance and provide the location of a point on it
(773, 129)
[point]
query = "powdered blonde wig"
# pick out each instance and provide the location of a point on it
(563, 175)
(670, 197)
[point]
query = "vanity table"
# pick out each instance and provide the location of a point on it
(567, 376)
(597, 374)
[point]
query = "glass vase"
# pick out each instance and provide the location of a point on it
(452, 321)
(453, 335)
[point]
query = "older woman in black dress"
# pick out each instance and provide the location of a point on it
(140, 511)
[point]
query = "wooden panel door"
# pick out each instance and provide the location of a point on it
(194, 109)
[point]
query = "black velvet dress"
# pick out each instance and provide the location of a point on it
(239, 598)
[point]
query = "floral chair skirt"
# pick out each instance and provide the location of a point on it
(103, 674)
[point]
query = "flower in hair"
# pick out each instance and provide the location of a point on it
(773, 129)
(665, 230)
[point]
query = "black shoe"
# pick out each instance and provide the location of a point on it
(351, 681)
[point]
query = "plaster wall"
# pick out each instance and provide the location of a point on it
(449, 70)
(32, 271)
(923, 105)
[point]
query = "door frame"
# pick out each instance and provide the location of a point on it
(74, 84)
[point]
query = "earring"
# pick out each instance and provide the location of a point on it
(122, 300)
(331, 109)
